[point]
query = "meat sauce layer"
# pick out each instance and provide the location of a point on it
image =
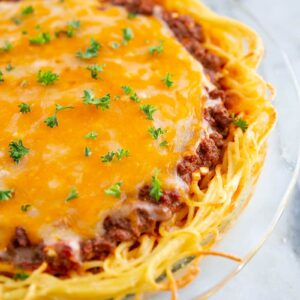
(129, 126)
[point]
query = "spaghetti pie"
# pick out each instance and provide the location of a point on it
(131, 130)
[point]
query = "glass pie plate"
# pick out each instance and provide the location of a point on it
(257, 221)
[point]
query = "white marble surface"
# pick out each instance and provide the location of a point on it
(274, 273)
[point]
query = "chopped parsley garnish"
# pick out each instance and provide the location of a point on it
(156, 132)
(91, 51)
(95, 70)
(1, 77)
(114, 190)
(127, 35)
(6, 47)
(164, 144)
(46, 77)
(130, 92)
(115, 45)
(40, 39)
(167, 80)
(108, 157)
(239, 122)
(119, 154)
(156, 49)
(21, 276)
(156, 191)
(72, 27)
(17, 150)
(103, 102)
(148, 110)
(91, 135)
(72, 195)
(25, 207)
(27, 10)
(131, 15)
(24, 108)
(52, 121)
(87, 151)
(16, 20)
(9, 67)
(6, 195)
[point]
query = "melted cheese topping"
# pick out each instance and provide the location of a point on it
(56, 161)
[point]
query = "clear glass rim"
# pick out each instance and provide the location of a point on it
(285, 199)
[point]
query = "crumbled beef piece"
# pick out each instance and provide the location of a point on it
(184, 27)
(187, 166)
(118, 228)
(60, 259)
(218, 139)
(20, 239)
(144, 7)
(98, 248)
(171, 199)
(218, 117)
(217, 94)
(210, 155)
(22, 252)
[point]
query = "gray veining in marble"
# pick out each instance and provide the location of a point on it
(274, 273)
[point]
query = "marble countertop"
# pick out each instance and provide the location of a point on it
(274, 272)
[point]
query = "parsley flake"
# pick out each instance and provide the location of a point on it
(241, 123)
(156, 49)
(17, 150)
(115, 45)
(127, 35)
(52, 121)
(46, 77)
(40, 39)
(103, 102)
(91, 51)
(72, 27)
(148, 110)
(95, 70)
(114, 190)
(167, 80)
(6, 195)
(6, 47)
(9, 67)
(108, 157)
(156, 132)
(164, 144)
(21, 276)
(87, 151)
(72, 195)
(25, 207)
(91, 135)
(27, 10)
(120, 153)
(131, 15)
(156, 191)
(129, 91)
(24, 108)
(1, 77)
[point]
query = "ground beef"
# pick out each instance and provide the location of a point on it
(217, 94)
(184, 27)
(22, 252)
(218, 117)
(60, 259)
(210, 155)
(96, 249)
(218, 139)
(144, 7)
(187, 166)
